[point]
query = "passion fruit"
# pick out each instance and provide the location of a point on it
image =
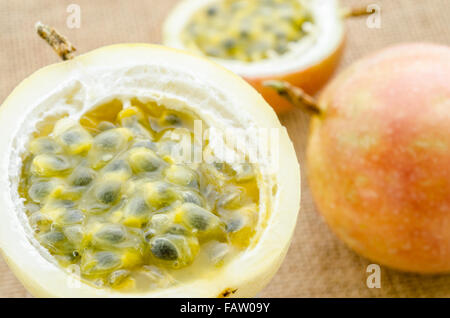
(379, 154)
(296, 41)
(92, 191)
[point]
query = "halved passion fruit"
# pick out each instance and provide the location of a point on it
(116, 179)
(296, 41)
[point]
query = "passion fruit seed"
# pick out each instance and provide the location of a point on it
(55, 241)
(163, 248)
(44, 145)
(120, 168)
(136, 212)
(74, 234)
(108, 192)
(189, 196)
(158, 194)
(82, 176)
(234, 225)
(144, 160)
(47, 165)
(106, 261)
(118, 277)
(110, 234)
(199, 218)
(40, 190)
(137, 206)
(177, 229)
(159, 224)
(182, 175)
(110, 204)
(72, 216)
(108, 140)
(105, 125)
(76, 140)
(170, 119)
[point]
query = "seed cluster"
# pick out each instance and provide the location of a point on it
(110, 200)
(247, 30)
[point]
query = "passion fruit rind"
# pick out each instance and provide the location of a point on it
(110, 200)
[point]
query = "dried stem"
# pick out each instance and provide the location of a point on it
(296, 96)
(355, 12)
(58, 42)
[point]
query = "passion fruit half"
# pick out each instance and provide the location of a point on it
(95, 200)
(291, 40)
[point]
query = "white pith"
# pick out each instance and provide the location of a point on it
(177, 81)
(312, 49)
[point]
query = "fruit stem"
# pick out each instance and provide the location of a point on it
(356, 12)
(295, 95)
(58, 42)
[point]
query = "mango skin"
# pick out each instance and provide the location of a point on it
(379, 157)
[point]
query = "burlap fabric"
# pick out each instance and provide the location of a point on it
(317, 265)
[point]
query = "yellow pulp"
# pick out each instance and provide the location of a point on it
(246, 30)
(106, 198)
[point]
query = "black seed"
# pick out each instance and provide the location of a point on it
(199, 221)
(137, 206)
(82, 177)
(107, 260)
(74, 233)
(56, 242)
(39, 191)
(108, 193)
(150, 163)
(192, 197)
(229, 44)
(244, 34)
(53, 237)
(107, 139)
(73, 217)
(105, 125)
(119, 165)
(172, 119)
(280, 35)
(118, 277)
(165, 193)
(164, 249)
(219, 166)
(47, 145)
(57, 163)
(234, 225)
(177, 229)
(71, 137)
(112, 234)
(281, 48)
(60, 163)
(211, 11)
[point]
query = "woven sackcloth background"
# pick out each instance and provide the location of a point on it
(317, 264)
